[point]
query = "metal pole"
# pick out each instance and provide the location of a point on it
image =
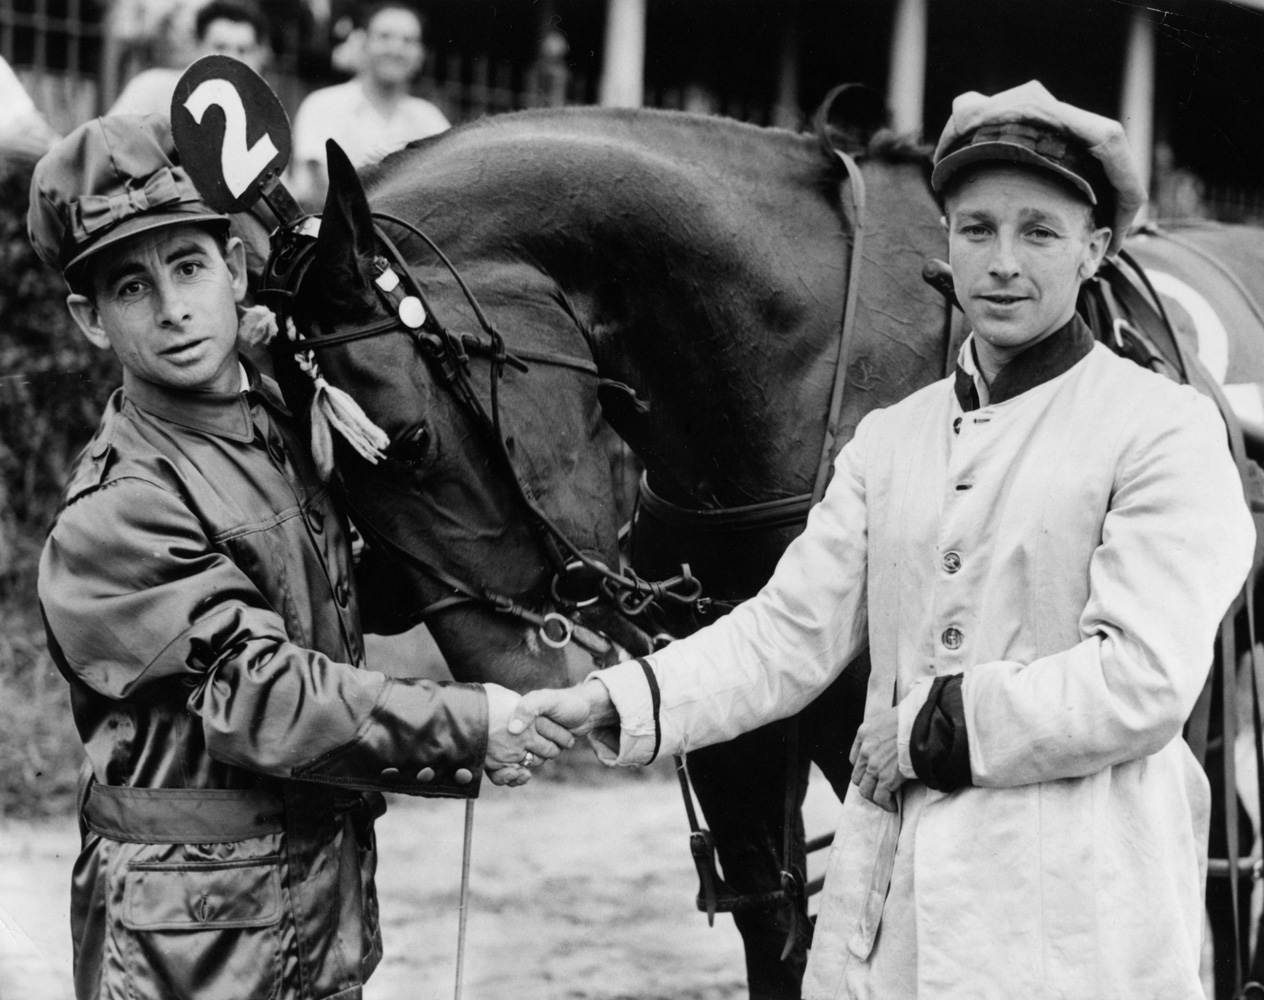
(465, 898)
(623, 58)
(906, 85)
(1137, 106)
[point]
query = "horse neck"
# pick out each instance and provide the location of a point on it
(704, 262)
(744, 413)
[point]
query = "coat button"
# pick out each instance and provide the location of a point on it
(425, 775)
(952, 562)
(390, 773)
(316, 518)
(342, 593)
(463, 776)
(951, 637)
(956, 426)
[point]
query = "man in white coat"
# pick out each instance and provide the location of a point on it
(1038, 552)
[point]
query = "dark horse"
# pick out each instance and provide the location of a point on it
(684, 278)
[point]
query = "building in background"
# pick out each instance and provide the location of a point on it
(1185, 76)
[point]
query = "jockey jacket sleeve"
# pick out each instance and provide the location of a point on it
(1176, 544)
(774, 653)
(149, 602)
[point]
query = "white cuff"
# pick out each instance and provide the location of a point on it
(635, 701)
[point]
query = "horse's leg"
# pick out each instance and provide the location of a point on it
(741, 788)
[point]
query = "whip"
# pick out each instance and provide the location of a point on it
(463, 909)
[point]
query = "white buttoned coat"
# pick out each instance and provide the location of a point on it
(1072, 551)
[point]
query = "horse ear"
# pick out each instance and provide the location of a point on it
(346, 224)
(849, 117)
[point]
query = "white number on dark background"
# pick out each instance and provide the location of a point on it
(241, 166)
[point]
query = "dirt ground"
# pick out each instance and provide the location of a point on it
(581, 888)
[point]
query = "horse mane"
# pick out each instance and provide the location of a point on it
(885, 146)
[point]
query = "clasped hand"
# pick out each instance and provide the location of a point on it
(527, 731)
(875, 758)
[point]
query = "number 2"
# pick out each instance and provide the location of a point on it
(241, 166)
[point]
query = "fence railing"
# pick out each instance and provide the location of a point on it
(62, 52)
(54, 46)
(1234, 204)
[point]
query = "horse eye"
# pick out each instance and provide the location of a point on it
(412, 445)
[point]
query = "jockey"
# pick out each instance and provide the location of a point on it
(198, 594)
(1038, 552)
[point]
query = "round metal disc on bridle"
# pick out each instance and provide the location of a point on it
(412, 313)
(231, 132)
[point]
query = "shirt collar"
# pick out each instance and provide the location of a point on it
(1043, 361)
(224, 414)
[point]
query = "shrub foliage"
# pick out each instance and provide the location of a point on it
(53, 388)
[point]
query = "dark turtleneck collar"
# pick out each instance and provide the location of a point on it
(224, 414)
(1057, 353)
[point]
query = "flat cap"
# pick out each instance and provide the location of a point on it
(1029, 125)
(108, 180)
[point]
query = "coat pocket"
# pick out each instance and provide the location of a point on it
(204, 930)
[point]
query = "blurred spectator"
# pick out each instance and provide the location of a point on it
(372, 114)
(1177, 193)
(25, 136)
(234, 28)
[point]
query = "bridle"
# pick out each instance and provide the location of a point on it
(579, 579)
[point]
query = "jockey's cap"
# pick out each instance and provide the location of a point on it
(1029, 125)
(109, 179)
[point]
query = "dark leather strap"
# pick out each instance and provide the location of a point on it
(182, 815)
(829, 447)
(656, 701)
(1229, 724)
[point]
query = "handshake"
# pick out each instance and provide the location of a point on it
(526, 731)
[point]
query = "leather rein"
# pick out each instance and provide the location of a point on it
(579, 579)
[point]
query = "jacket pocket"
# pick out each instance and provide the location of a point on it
(204, 930)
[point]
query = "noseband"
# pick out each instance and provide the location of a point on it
(579, 580)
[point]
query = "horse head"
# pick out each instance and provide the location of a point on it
(493, 497)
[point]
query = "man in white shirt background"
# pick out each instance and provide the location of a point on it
(372, 114)
(226, 27)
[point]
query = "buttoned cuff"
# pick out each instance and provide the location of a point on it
(909, 707)
(634, 692)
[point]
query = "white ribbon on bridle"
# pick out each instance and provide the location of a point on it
(332, 409)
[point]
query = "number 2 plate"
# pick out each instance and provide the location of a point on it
(231, 131)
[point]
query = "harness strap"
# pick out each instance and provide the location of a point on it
(829, 448)
(786, 511)
(781, 513)
(1229, 724)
